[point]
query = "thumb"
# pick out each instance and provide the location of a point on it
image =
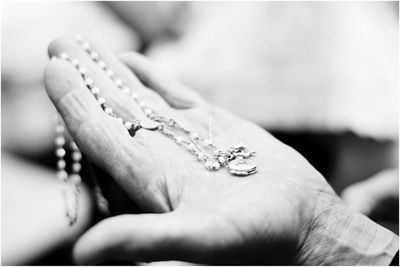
(141, 238)
(366, 196)
(174, 93)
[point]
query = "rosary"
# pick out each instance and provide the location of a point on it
(235, 159)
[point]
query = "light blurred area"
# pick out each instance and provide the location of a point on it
(28, 28)
(322, 66)
(321, 76)
(33, 219)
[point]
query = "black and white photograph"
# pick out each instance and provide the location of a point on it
(200, 133)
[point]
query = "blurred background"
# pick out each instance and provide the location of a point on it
(320, 76)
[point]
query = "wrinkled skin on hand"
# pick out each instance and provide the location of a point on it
(195, 215)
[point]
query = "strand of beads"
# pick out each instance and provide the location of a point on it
(206, 152)
(235, 159)
(102, 203)
(95, 56)
(129, 125)
(71, 181)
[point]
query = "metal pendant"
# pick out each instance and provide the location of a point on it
(137, 125)
(149, 125)
(242, 167)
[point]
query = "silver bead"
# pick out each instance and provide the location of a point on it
(95, 90)
(60, 140)
(120, 120)
(179, 139)
(209, 165)
(76, 167)
(88, 81)
(101, 101)
(118, 82)
(221, 159)
(216, 165)
(190, 147)
(142, 104)
(75, 62)
(126, 90)
(61, 164)
(128, 125)
(60, 152)
(82, 70)
(201, 156)
(59, 128)
(64, 55)
(62, 175)
(108, 110)
(94, 55)
(86, 45)
(75, 179)
(102, 64)
(110, 73)
(147, 111)
(76, 155)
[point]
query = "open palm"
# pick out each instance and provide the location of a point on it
(198, 215)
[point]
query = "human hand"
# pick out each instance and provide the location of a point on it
(273, 216)
(33, 223)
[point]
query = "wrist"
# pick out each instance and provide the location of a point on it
(340, 236)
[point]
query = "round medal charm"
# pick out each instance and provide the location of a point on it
(150, 125)
(242, 167)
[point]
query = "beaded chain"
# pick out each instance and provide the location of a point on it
(73, 179)
(191, 144)
(235, 158)
(205, 151)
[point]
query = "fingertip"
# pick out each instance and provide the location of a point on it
(82, 252)
(77, 255)
(70, 96)
(58, 45)
(98, 243)
(60, 77)
(174, 93)
(140, 65)
(82, 257)
(358, 199)
(131, 55)
(54, 46)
